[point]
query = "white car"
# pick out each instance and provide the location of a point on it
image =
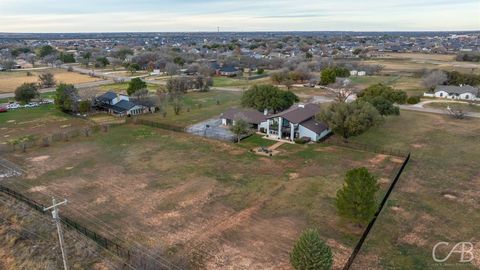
(13, 106)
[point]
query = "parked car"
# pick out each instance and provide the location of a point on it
(12, 106)
(3, 109)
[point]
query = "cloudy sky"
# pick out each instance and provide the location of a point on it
(237, 15)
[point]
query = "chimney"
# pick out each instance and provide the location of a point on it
(301, 105)
(265, 112)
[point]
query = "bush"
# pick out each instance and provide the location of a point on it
(260, 71)
(413, 100)
(26, 92)
(302, 140)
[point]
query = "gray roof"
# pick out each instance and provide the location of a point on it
(108, 96)
(315, 126)
(453, 89)
(298, 113)
(249, 115)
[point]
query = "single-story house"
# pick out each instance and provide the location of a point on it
(228, 71)
(253, 117)
(119, 105)
(296, 122)
(465, 92)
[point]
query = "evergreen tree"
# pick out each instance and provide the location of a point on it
(311, 253)
(356, 200)
(134, 85)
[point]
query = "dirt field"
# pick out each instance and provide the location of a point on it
(9, 81)
(215, 203)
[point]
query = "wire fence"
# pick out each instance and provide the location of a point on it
(130, 254)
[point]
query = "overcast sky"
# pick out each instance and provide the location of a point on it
(237, 15)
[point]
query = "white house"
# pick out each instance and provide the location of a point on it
(362, 73)
(296, 122)
(464, 92)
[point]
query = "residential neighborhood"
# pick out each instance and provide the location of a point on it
(290, 135)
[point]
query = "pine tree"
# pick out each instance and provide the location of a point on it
(311, 253)
(356, 200)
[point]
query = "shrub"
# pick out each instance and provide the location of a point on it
(302, 140)
(413, 100)
(311, 252)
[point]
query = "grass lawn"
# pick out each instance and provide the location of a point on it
(407, 83)
(198, 106)
(464, 106)
(197, 197)
(437, 196)
(9, 81)
(233, 82)
(35, 122)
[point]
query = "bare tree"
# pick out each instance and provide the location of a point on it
(172, 69)
(46, 80)
(433, 79)
(456, 112)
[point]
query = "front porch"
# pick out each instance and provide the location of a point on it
(282, 130)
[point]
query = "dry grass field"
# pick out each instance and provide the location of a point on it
(435, 200)
(9, 81)
(215, 203)
(28, 240)
(411, 63)
(36, 122)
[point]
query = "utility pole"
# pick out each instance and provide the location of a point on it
(56, 218)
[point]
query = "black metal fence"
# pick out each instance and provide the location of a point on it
(359, 245)
(133, 255)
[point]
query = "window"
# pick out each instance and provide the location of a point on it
(467, 97)
(441, 94)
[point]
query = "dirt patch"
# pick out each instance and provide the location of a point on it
(293, 176)
(38, 189)
(449, 196)
(377, 159)
(418, 145)
(40, 158)
(329, 149)
(416, 236)
(340, 252)
(396, 160)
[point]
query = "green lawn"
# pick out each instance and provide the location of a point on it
(234, 82)
(198, 106)
(436, 198)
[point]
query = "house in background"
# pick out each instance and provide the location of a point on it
(464, 92)
(119, 105)
(294, 123)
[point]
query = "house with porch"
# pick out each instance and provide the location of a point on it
(294, 123)
(119, 105)
(297, 122)
(463, 92)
